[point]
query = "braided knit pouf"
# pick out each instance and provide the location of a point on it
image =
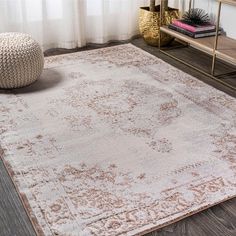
(21, 60)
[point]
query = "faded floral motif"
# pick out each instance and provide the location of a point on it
(125, 105)
(123, 144)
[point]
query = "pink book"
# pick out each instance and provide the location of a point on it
(193, 28)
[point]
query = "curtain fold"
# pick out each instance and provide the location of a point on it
(71, 23)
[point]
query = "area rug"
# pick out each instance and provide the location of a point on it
(115, 141)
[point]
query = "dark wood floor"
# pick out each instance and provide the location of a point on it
(219, 220)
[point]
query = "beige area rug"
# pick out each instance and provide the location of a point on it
(115, 141)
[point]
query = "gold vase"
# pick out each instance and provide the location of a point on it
(149, 25)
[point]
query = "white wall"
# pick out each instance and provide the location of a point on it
(228, 13)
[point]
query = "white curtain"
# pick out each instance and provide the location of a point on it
(71, 23)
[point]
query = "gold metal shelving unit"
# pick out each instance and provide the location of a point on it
(218, 46)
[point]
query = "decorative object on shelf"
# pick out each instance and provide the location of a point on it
(197, 34)
(193, 28)
(195, 23)
(196, 16)
(21, 60)
(152, 17)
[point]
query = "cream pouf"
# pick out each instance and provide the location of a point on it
(21, 60)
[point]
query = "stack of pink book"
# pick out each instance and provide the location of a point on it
(194, 31)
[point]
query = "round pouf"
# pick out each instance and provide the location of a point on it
(21, 60)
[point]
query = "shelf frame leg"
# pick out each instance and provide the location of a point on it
(160, 23)
(190, 5)
(216, 40)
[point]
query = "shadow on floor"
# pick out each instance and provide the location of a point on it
(49, 79)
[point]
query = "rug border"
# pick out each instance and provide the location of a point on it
(38, 229)
(183, 217)
(25, 202)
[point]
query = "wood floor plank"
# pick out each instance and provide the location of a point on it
(13, 218)
(219, 220)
